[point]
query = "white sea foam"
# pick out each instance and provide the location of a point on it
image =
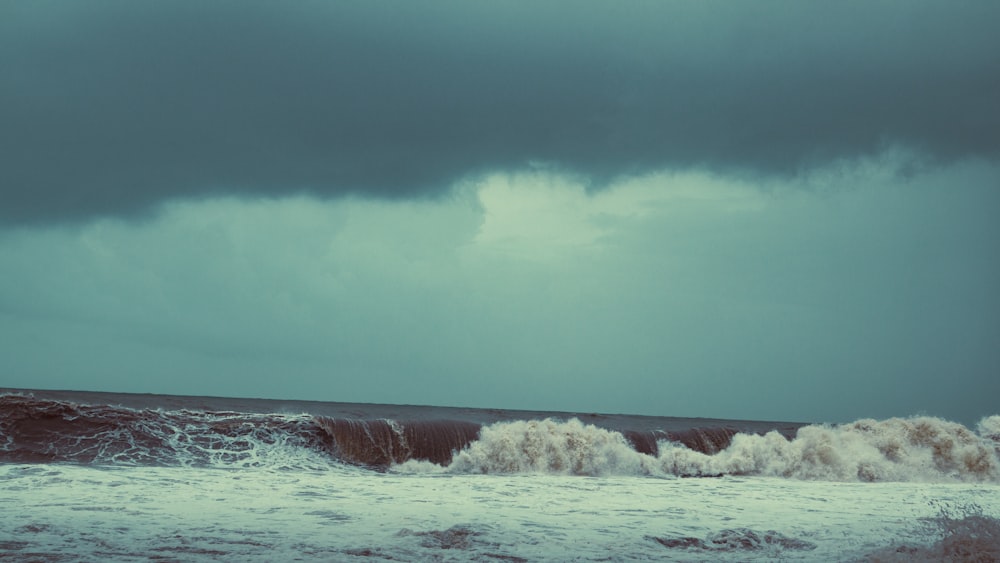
(241, 443)
(550, 446)
(194, 438)
(67, 512)
(913, 449)
(989, 428)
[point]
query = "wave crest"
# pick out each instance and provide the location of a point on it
(37, 431)
(989, 428)
(899, 449)
(914, 449)
(550, 446)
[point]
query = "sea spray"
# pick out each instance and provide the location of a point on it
(989, 428)
(914, 449)
(550, 446)
(964, 532)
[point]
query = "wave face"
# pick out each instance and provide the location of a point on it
(381, 443)
(45, 430)
(40, 431)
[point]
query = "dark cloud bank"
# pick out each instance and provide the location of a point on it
(108, 107)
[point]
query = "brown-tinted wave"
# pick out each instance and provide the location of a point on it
(43, 430)
(381, 443)
(38, 431)
(708, 440)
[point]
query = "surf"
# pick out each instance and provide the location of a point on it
(44, 430)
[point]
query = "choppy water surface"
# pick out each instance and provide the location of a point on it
(92, 481)
(76, 512)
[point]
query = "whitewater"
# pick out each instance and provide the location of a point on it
(90, 481)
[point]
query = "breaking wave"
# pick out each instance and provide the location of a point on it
(914, 449)
(43, 431)
(550, 446)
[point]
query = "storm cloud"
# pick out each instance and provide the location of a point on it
(110, 107)
(767, 210)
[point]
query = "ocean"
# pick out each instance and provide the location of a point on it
(122, 477)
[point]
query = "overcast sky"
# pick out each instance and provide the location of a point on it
(768, 210)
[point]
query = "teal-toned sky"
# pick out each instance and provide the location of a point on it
(774, 210)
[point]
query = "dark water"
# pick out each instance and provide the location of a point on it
(40, 426)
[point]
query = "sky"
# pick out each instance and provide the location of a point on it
(776, 210)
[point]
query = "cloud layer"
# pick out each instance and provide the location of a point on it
(776, 209)
(109, 107)
(673, 294)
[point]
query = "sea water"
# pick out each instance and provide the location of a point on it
(91, 513)
(105, 482)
